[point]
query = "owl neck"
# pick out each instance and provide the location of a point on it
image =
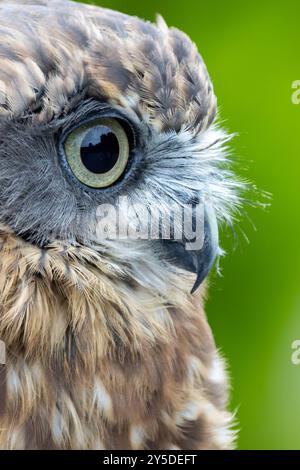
(93, 350)
(72, 305)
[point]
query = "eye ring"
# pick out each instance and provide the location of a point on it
(73, 151)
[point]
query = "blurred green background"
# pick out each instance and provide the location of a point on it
(252, 52)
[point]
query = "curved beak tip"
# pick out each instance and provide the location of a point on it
(198, 283)
(198, 261)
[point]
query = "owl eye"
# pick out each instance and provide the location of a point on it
(98, 152)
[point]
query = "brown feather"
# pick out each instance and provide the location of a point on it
(97, 356)
(89, 362)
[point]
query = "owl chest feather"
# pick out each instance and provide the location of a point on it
(100, 362)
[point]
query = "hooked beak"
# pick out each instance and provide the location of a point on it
(198, 261)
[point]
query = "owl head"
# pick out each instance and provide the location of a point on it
(97, 107)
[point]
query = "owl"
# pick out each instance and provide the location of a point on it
(107, 343)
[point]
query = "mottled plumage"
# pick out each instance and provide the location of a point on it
(106, 347)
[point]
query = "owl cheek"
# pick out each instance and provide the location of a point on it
(196, 256)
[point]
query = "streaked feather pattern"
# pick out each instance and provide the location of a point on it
(106, 348)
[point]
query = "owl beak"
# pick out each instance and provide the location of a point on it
(205, 257)
(198, 261)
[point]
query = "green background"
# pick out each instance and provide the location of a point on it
(252, 53)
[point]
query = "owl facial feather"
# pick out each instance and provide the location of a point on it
(68, 63)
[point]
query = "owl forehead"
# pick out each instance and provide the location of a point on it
(54, 53)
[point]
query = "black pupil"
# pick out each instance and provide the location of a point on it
(99, 149)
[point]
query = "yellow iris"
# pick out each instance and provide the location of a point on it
(98, 152)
